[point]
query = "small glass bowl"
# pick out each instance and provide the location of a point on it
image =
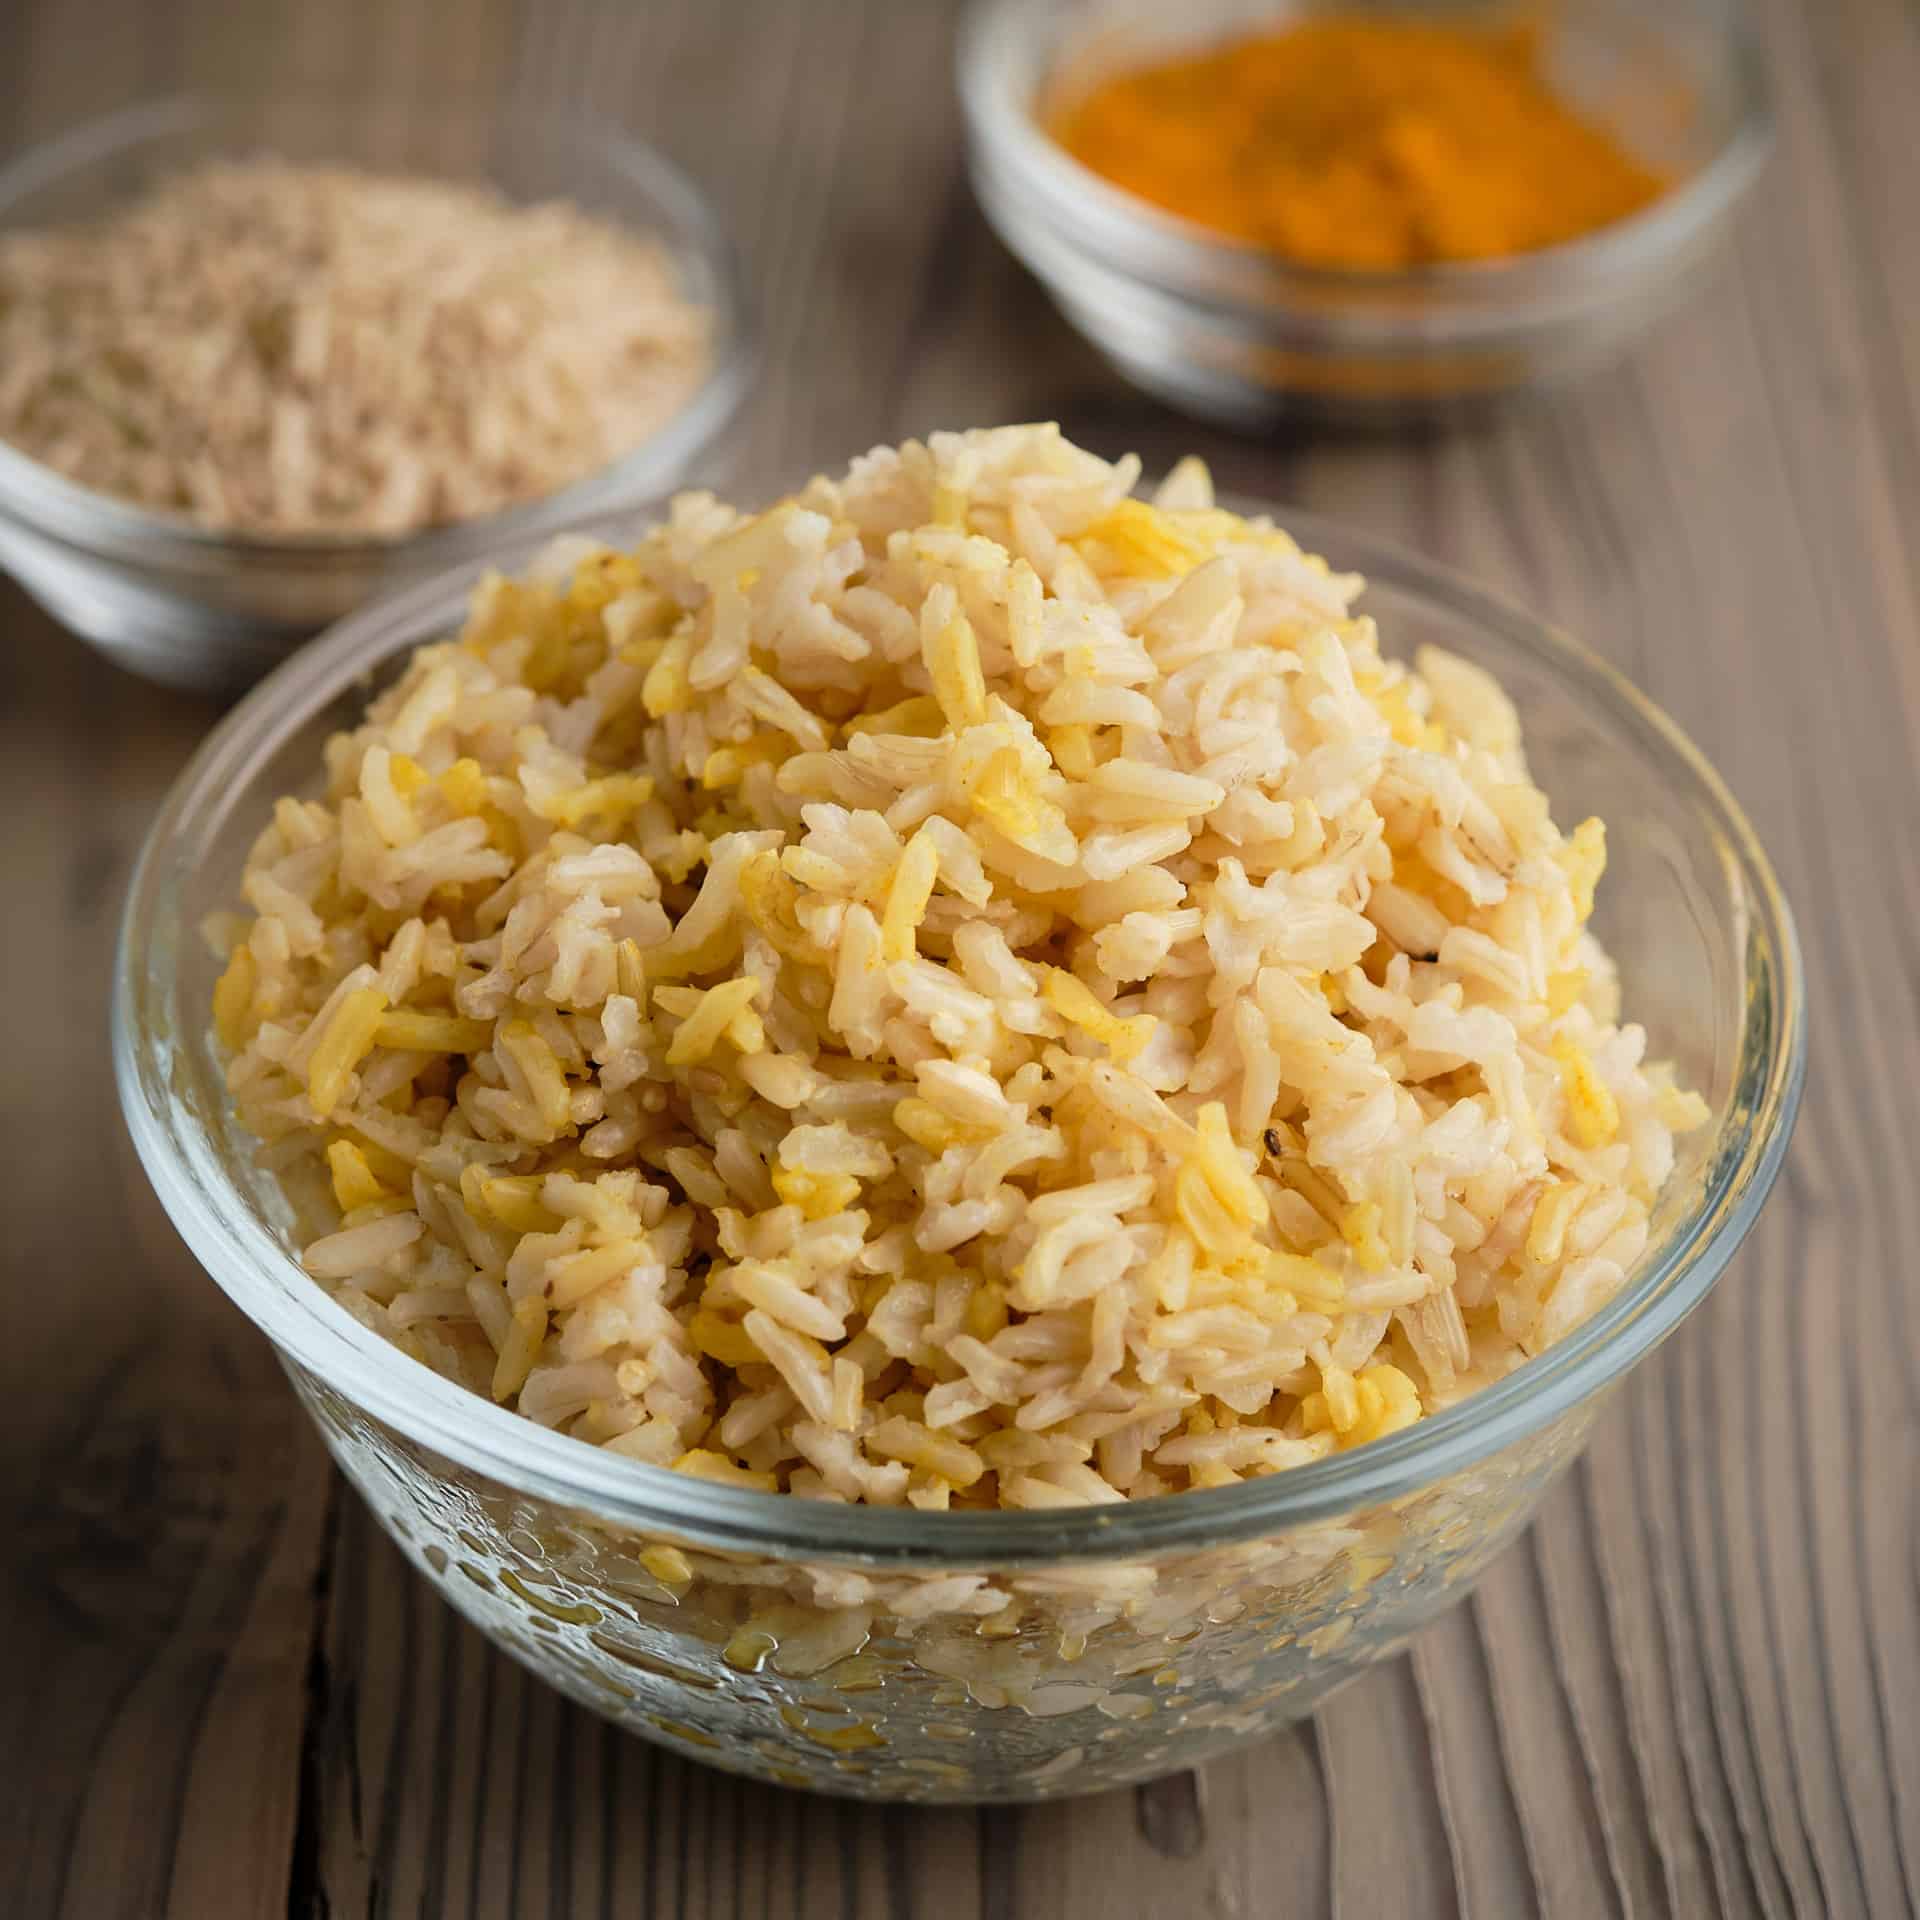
(980, 1656)
(1234, 334)
(194, 606)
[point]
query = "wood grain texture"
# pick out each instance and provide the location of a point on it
(1690, 1689)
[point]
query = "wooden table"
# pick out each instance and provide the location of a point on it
(1691, 1688)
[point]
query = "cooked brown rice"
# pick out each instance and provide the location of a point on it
(964, 989)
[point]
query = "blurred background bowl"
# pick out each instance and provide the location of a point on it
(198, 607)
(1236, 335)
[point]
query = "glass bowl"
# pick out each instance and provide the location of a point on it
(980, 1656)
(194, 606)
(1227, 331)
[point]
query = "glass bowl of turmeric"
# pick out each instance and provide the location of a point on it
(1259, 212)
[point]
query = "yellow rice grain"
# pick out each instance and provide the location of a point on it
(700, 1032)
(348, 1040)
(546, 1079)
(1584, 857)
(420, 1032)
(233, 1000)
(524, 1341)
(907, 897)
(818, 1195)
(953, 664)
(354, 1184)
(1593, 1115)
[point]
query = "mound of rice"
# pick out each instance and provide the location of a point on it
(964, 989)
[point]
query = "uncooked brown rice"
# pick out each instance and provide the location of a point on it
(966, 988)
(276, 349)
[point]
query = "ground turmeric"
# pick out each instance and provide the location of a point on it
(1365, 143)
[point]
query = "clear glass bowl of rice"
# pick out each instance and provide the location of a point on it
(199, 606)
(890, 1652)
(1230, 333)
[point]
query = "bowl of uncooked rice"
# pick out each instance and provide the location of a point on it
(262, 359)
(962, 1137)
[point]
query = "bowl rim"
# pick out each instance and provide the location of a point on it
(318, 1337)
(89, 519)
(1196, 259)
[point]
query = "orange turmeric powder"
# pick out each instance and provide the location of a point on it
(1365, 143)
